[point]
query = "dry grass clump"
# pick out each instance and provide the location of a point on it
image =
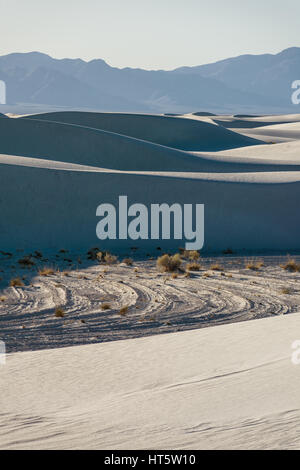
(106, 257)
(17, 282)
(128, 261)
(123, 311)
(254, 265)
(286, 291)
(167, 263)
(193, 267)
(291, 266)
(216, 267)
(59, 312)
(2, 298)
(192, 255)
(174, 276)
(92, 254)
(46, 271)
(105, 306)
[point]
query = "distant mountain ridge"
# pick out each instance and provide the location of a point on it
(252, 83)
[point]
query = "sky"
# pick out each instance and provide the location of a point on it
(149, 34)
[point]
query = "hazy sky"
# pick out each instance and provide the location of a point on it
(149, 33)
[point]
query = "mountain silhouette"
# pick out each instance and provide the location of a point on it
(248, 83)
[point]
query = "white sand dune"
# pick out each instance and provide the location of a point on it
(172, 132)
(231, 386)
(82, 164)
(87, 146)
(57, 208)
(286, 153)
(228, 387)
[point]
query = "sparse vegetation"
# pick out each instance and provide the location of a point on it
(59, 312)
(193, 267)
(216, 267)
(105, 306)
(106, 257)
(128, 261)
(286, 291)
(92, 254)
(46, 271)
(123, 311)
(291, 266)
(254, 265)
(17, 282)
(192, 255)
(2, 298)
(110, 259)
(167, 263)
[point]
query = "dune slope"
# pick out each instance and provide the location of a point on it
(173, 132)
(231, 387)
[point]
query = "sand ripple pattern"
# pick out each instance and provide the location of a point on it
(156, 302)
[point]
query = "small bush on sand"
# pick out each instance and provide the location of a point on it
(286, 291)
(110, 259)
(191, 255)
(167, 263)
(254, 266)
(2, 298)
(128, 261)
(216, 267)
(123, 310)
(46, 271)
(92, 254)
(291, 266)
(17, 282)
(193, 267)
(106, 257)
(105, 306)
(59, 312)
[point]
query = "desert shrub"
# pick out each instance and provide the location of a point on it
(167, 263)
(46, 271)
(17, 282)
(193, 267)
(92, 254)
(106, 257)
(286, 291)
(128, 261)
(123, 310)
(59, 312)
(105, 306)
(254, 265)
(110, 259)
(192, 255)
(291, 266)
(216, 267)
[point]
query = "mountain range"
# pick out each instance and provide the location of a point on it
(248, 83)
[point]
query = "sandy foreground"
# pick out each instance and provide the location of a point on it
(141, 358)
(231, 386)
